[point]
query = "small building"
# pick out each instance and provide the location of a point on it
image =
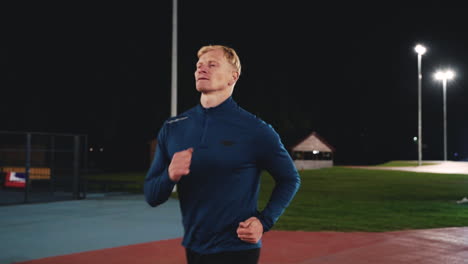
(313, 152)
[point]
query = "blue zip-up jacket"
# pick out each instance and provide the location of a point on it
(231, 148)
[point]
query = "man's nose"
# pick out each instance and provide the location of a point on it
(201, 69)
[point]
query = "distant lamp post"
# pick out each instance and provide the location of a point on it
(444, 76)
(420, 49)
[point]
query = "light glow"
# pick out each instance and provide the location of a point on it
(420, 49)
(439, 75)
(449, 75)
(444, 75)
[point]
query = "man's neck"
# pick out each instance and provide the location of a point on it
(209, 100)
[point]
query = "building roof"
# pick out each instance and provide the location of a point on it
(313, 142)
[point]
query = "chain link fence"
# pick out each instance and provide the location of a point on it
(42, 167)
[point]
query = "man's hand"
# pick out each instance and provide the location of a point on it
(180, 164)
(250, 231)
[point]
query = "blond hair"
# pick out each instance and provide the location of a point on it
(229, 53)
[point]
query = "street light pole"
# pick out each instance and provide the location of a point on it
(420, 50)
(444, 84)
(444, 76)
(419, 112)
(174, 60)
(174, 65)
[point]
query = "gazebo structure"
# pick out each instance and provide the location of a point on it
(313, 152)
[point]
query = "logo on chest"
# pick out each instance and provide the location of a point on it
(227, 143)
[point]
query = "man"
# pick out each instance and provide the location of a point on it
(215, 152)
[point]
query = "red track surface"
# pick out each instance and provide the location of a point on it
(445, 245)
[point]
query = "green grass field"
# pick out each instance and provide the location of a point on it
(348, 199)
(345, 199)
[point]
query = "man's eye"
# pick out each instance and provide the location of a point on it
(212, 65)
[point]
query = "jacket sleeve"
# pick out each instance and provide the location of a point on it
(273, 157)
(158, 186)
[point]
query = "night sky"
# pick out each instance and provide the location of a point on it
(346, 70)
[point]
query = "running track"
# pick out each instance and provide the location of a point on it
(446, 245)
(94, 231)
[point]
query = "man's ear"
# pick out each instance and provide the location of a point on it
(235, 77)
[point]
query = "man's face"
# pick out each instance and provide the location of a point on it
(214, 73)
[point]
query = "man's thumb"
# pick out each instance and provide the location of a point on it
(243, 224)
(190, 150)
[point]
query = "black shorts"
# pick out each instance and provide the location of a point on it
(250, 256)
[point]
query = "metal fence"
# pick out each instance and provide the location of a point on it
(42, 167)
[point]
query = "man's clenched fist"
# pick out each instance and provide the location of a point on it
(180, 164)
(250, 231)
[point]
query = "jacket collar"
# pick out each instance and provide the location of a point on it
(228, 104)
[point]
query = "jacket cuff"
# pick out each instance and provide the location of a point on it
(260, 217)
